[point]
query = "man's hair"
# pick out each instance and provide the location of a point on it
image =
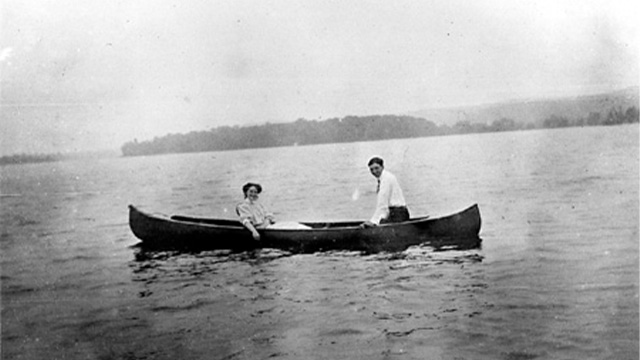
(376, 160)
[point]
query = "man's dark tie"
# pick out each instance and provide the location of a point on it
(378, 188)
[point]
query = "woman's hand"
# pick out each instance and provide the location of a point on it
(254, 232)
(367, 224)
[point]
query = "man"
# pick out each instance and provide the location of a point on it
(390, 206)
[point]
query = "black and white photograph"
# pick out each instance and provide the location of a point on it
(319, 179)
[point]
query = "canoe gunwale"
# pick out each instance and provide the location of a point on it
(336, 224)
(201, 222)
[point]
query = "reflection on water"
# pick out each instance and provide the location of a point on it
(330, 304)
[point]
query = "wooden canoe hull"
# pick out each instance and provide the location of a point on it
(159, 231)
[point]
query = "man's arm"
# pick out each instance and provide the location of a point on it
(382, 204)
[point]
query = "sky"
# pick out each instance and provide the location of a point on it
(89, 75)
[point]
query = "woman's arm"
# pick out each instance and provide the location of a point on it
(254, 232)
(245, 217)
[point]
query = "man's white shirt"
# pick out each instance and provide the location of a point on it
(389, 194)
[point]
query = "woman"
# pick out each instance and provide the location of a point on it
(253, 214)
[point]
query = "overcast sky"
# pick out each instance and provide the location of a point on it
(82, 75)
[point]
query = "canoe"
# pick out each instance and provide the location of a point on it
(459, 230)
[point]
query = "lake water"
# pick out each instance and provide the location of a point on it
(556, 277)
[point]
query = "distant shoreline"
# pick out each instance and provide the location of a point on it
(385, 128)
(617, 107)
(351, 129)
(25, 158)
(29, 158)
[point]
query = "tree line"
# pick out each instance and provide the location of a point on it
(349, 129)
(336, 130)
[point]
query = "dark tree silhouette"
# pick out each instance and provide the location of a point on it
(348, 129)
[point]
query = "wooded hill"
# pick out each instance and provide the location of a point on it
(534, 112)
(606, 109)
